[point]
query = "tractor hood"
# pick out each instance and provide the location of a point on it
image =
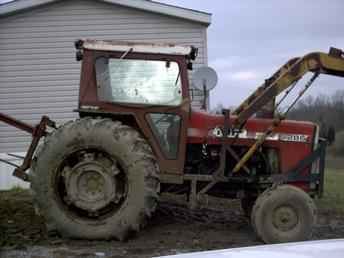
(205, 127)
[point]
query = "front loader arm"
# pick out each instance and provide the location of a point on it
(317, 62)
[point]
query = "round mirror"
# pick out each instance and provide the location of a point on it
(204, 78)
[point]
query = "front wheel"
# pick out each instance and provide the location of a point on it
(283, 214)
(95, 179)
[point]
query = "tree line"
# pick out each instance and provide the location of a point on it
(325, 110)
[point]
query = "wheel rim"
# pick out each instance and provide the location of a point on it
(285, 218)
(91, 183)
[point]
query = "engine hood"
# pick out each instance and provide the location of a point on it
(204, 125)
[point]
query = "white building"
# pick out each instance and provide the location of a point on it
(38, 71)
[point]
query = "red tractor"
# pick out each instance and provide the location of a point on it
(99, 177)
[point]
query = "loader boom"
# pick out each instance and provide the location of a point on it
(292, 71)
(289, 74)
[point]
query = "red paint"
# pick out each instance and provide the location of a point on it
(290, 153)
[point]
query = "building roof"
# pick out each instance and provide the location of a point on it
(154, 48)
(145, 5)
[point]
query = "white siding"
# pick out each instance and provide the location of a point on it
(38, 71)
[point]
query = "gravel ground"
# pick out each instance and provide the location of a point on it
(173, 229)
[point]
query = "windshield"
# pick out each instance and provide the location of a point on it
(138, 81)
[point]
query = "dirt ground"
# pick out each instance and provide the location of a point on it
(173, 229)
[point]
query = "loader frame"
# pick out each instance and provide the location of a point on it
(38, 131)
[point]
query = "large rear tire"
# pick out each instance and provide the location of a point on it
(283, 214)
(95, 179)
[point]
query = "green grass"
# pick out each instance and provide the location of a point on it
(14, 192)
(16, 189)
(334, 161)
(333, 198)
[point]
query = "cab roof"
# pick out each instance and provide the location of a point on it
(137, 47)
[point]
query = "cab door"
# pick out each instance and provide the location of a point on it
(154, 89)
(169, 130)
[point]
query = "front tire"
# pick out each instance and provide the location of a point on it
(283, 214)
(95, 179)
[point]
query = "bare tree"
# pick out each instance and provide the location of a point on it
(327, 111)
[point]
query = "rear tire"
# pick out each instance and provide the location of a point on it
(283, 214)
(95, 179)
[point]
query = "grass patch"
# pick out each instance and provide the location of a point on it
(17, 189)
(334, 162)
(333, 198)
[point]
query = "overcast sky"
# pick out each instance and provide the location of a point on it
(248, 40)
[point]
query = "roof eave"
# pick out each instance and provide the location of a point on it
(149, 6)
(161, 8)
(17, 6)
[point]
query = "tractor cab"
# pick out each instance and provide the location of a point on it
(143, 85)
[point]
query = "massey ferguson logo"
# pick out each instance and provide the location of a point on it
(243, 134)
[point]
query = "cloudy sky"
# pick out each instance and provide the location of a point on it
(248, 40)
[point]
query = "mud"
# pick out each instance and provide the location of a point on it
(173, 229)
